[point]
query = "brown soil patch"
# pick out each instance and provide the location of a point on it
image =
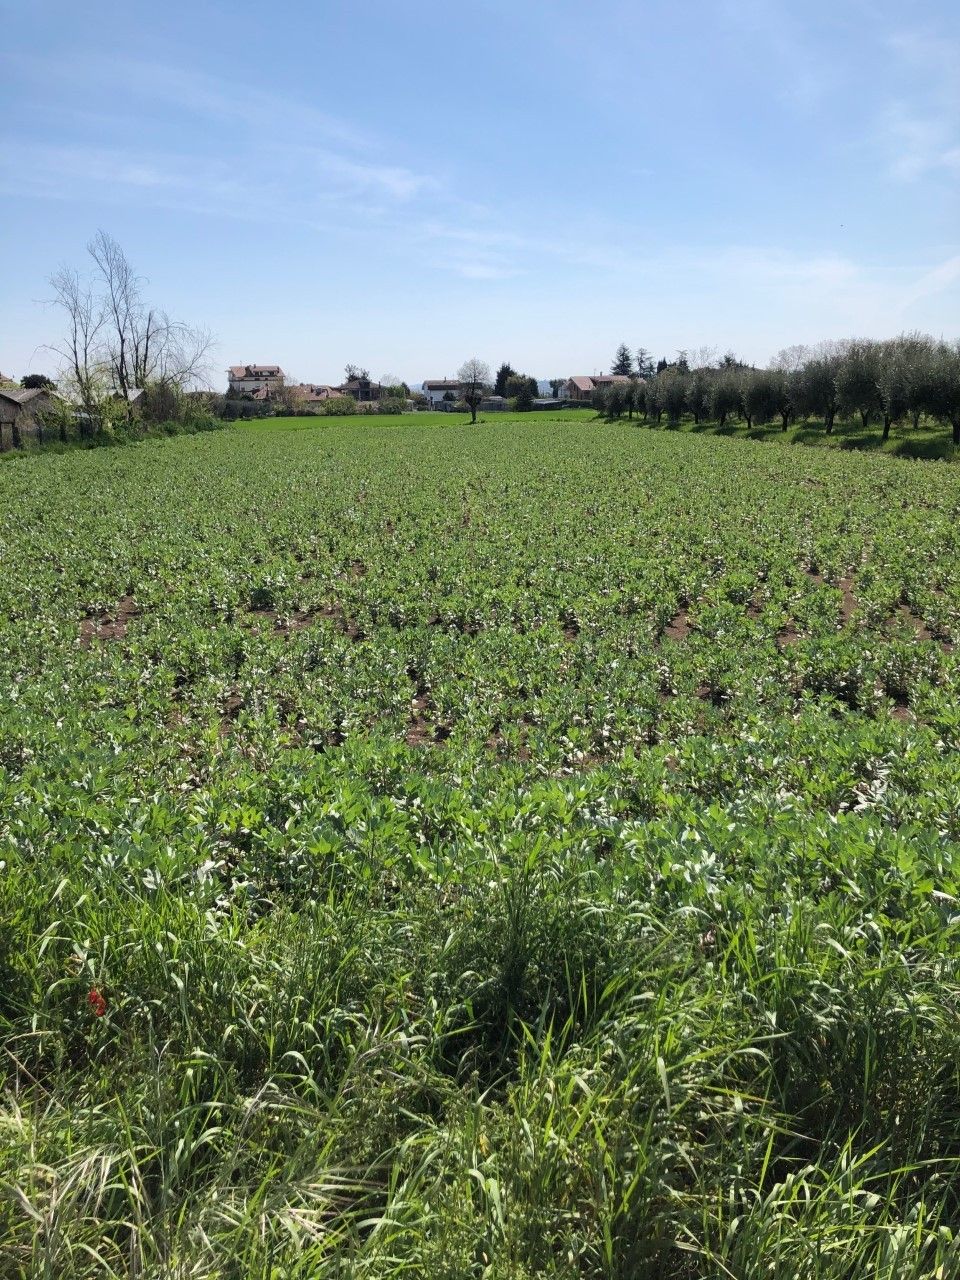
(295, 621)
(571, 627)
(107, 625)
(678, 628)
(317, 739)
(901, 710)
(708, 694)
(358, 569)
(233, 704)
(465, 626)
(913, 620)
(787, 636)
(300, 619)
(269, 616)
(848, 603)
(421, 728)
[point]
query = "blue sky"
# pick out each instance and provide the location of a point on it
(404, 184)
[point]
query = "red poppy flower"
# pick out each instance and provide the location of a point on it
(98, 1006)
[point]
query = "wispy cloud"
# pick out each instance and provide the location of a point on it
(799, 74)
(195, 93)
(920, 127)
(262, 142)
(938, 280)
(919, 144)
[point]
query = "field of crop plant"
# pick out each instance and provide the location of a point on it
(510, 851)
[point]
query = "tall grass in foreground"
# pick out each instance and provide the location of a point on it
(547, 1066)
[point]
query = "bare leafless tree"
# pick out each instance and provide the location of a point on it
(81, 349)
(122, 304)
(114, 336)
(790, 359)
(474, 375)
(703, 357)
(174, 353)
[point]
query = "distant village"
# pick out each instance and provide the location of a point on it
(37, 409)
(264, 388)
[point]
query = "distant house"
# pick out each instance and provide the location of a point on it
(362, 389)
(441, 390)
(133, 396)
(311, 394)
(21, 413)
(580, 389)
(248, 379)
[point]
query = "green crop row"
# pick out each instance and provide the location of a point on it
(499, 852)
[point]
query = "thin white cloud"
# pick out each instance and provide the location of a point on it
(195, 93)
(798, 72)
(303, 154)
(938, 280)
(919, 128)
(919, 144)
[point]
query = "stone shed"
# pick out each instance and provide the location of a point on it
(21, 415)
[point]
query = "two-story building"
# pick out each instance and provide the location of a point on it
(441, 390)
(362, 389)
(249, 379)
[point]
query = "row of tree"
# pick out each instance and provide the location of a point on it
(642, 366)
(901, 379)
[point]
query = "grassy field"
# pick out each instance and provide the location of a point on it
(929, 440)
(512, 851)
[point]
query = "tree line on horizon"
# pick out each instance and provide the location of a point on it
(904, 379)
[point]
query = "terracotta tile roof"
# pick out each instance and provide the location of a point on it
(314, 391)
(584, 383)
(254, 370)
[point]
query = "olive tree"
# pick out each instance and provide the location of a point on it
(785, 392)
(943, 391)
(698, 394)
(616, 399)
(672, 394)
(893, 384)
(857, 380)
(724, 396)
(816, 389)
(759, 395)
